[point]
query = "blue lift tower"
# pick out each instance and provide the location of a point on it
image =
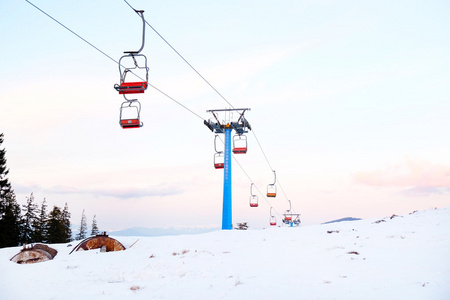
(226, 126)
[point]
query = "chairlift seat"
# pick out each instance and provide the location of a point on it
(131, 87)
(219, 166)
(271, 194)
(130, 123)
(253, 204)
(273, 223)
(240, 150)
(288, 218)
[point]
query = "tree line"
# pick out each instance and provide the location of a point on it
(31, 223)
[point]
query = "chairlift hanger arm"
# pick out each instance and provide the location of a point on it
(141, 14)
(215, 144)
(251, 189)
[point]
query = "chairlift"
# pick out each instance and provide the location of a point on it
(135, 63)
(219, 160)
(287, 214)
(253, 198)
(130, 115)
(272, 188)
(273, 220)
(239, 144)
(291, 219)
(219, 156)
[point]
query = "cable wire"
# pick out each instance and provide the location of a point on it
(181, 56)
(251, 181)
(207, 82)
(163, 93)
(90, 44)
(204, 79)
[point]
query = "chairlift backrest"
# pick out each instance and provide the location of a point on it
(273, 221)
(219, 160)
(253, 201)
(133, 74)
(271, 190)
(130, 115)
(239, 144)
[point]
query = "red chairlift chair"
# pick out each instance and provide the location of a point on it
(239, 144)
(253, 197)
(219, 160)
(135, 63)
(130, 115)
(273, 220)
(272, 188)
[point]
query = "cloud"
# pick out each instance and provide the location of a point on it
(421, 177)
(120, 193)
(426, 191)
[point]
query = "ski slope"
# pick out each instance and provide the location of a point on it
(403, 257)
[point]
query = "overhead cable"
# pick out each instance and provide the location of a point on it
(96, 48)
(204, 79)
(181, 56)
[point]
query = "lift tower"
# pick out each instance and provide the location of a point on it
(226, 126)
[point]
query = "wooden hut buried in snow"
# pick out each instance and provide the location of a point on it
(31, 254)
(101, 241)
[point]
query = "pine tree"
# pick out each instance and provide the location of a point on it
(94, 230)
(10, 223)
(55, 226)
(10, 217)
(29, 220)
(5, 186)
(40, 225)
(83, 228)
(66, 221)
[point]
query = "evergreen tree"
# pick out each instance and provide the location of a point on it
(83, 228)
(10, 223)
(40, 225)
(55, 226)
(94, 230)
(66, 221)
(5, 186)
(29, 220)
(10, 217)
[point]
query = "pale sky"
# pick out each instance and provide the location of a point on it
(349, 100)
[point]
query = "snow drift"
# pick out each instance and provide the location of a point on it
(397, 257)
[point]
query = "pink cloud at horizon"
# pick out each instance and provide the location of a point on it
(409, 173)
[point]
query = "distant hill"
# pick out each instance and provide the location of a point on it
(142, 231)
(343, 220)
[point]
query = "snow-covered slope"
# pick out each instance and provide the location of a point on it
(404, 257)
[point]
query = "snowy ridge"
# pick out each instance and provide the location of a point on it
(343, 220)
(142, 231)
(397, 257)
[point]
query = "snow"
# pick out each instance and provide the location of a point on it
(404, 257)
